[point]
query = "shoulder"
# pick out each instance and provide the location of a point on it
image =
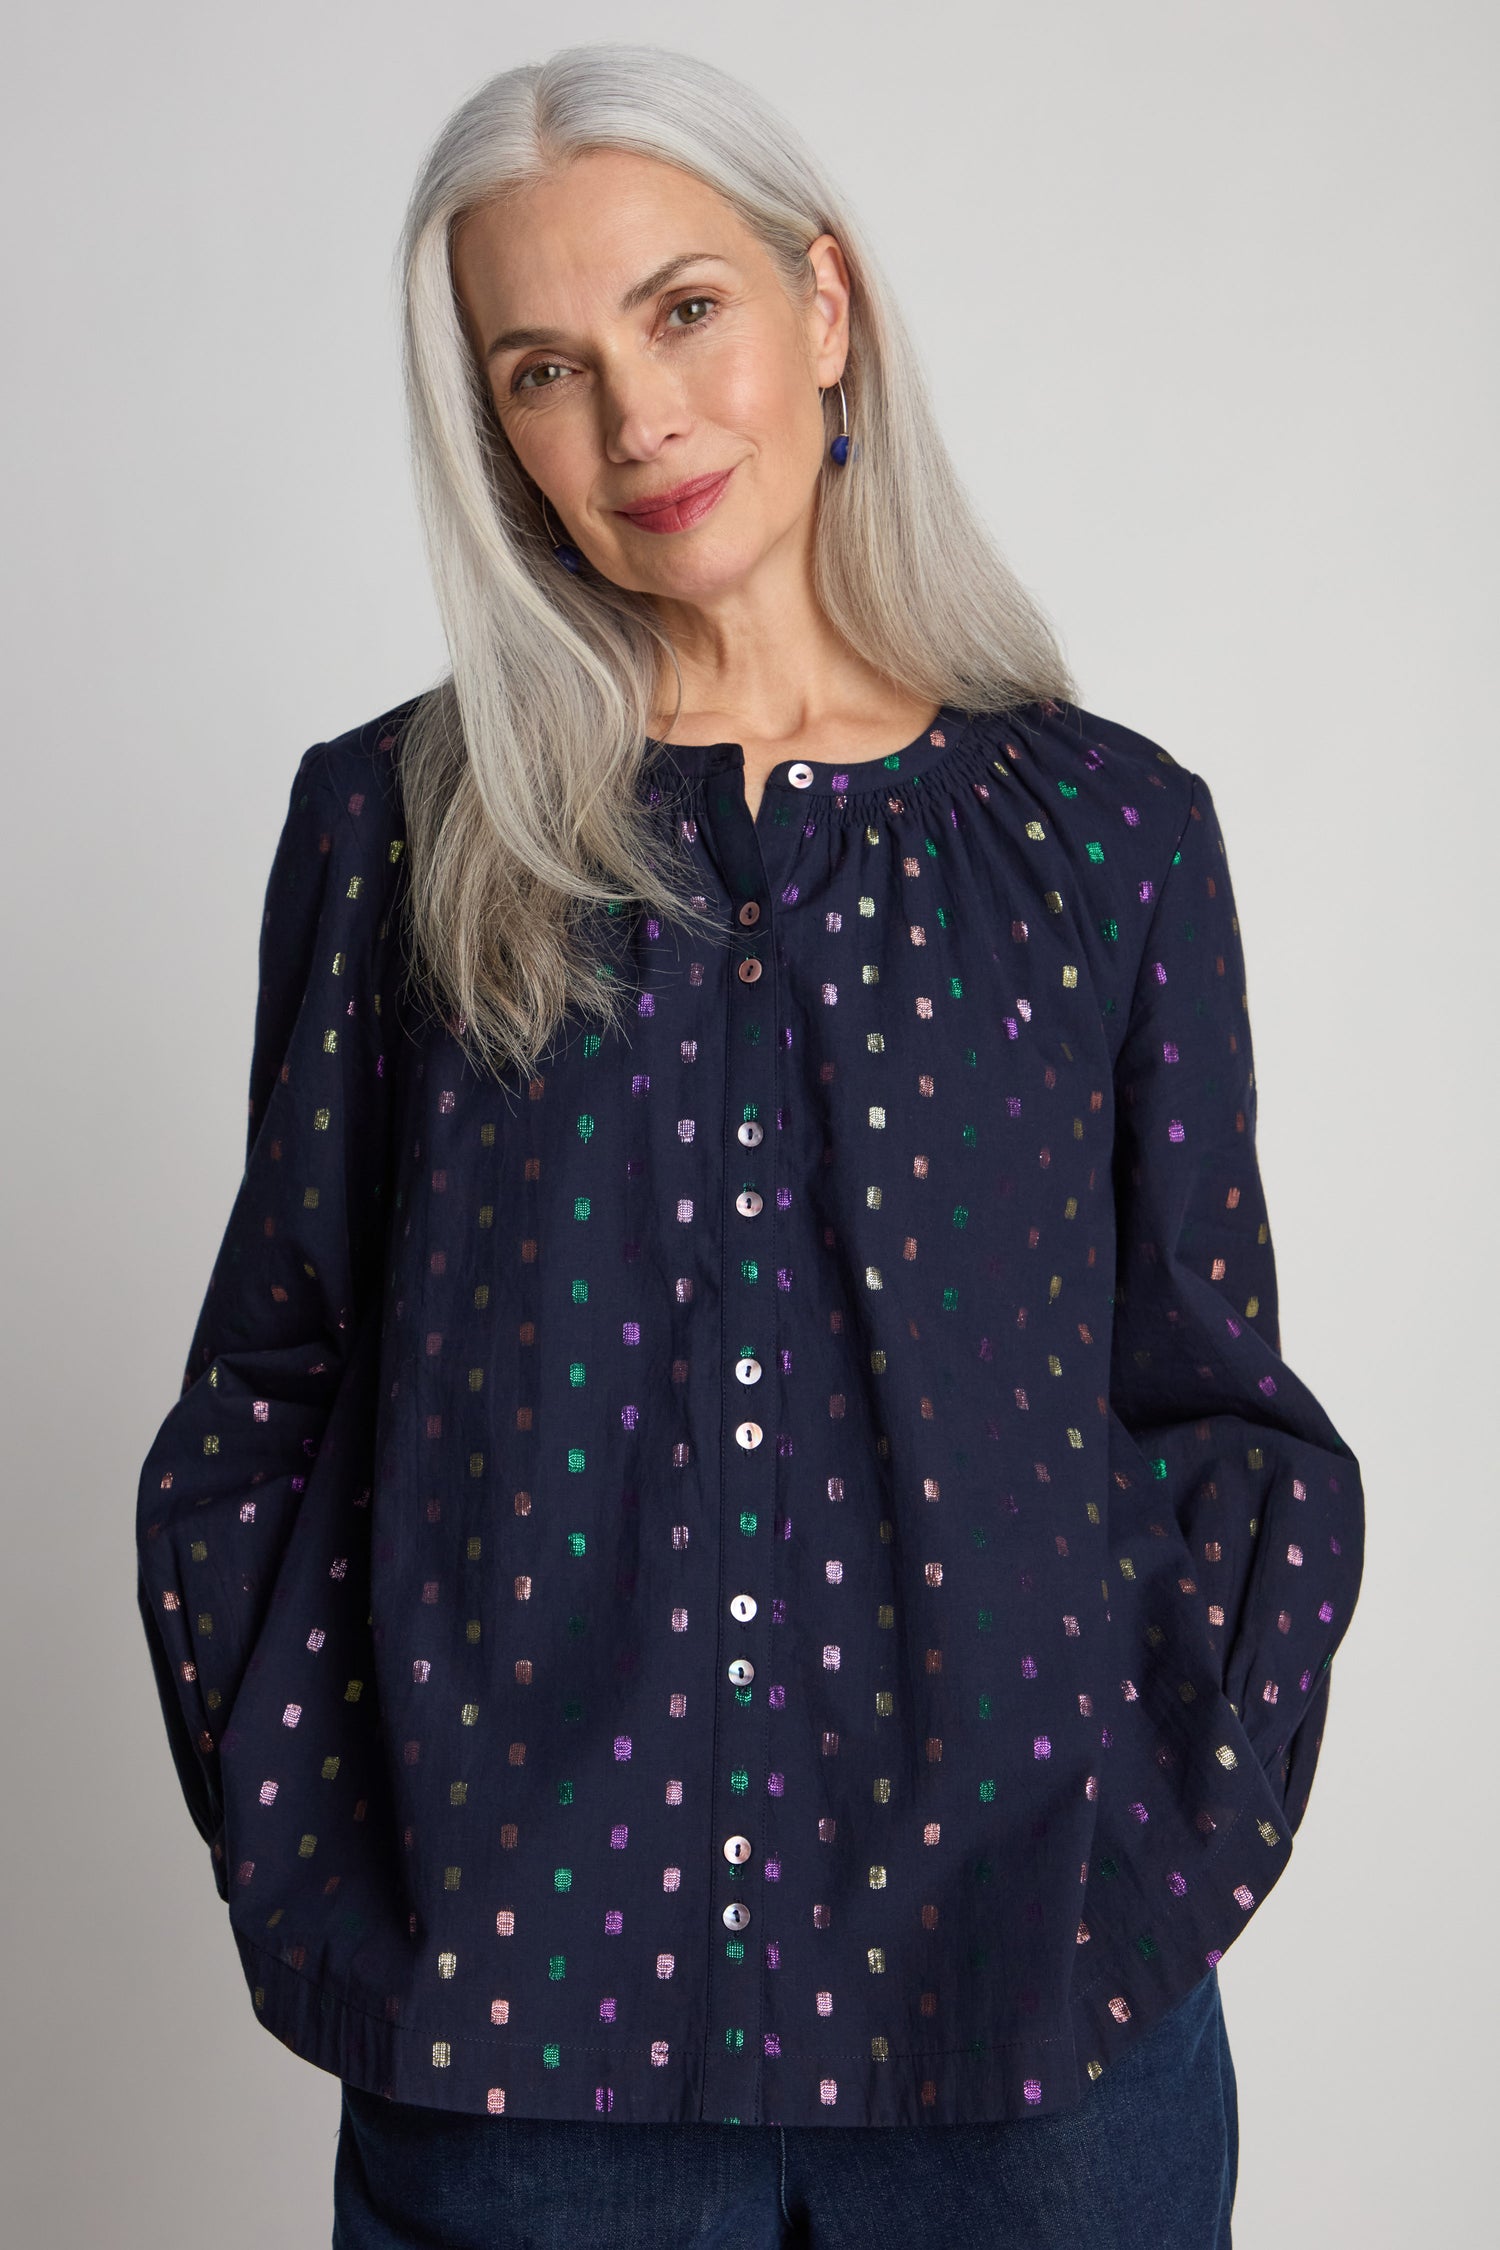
(1105, 809)
(360, 770)
(1101, 778)
(1121, 803)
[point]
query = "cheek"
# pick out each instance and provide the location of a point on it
(550, 454)
(771, 405)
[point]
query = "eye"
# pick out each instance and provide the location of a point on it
(546, 368)
(537, 367)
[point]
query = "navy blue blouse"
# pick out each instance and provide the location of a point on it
(771, 1570)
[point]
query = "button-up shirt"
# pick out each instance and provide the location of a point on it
(769, 1569)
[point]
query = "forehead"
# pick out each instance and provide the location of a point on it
(586, 232)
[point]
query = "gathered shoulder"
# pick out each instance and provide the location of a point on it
(1081, 764)
(1106, 809)
(361, 768)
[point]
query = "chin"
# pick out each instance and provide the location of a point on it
(700, 576)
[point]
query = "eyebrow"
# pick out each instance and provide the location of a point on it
(521, 339)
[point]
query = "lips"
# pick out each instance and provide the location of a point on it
(679, 508)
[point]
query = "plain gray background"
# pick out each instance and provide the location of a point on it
(1207, 295)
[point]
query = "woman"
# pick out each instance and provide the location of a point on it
(737, 1556)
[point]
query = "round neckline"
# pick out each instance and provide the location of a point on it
(841, 777)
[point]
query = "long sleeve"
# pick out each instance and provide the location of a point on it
(1267, 1496)
(296, 1275)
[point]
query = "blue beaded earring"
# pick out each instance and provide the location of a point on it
(840, 446)
(568, 557)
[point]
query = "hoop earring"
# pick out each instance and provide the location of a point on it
(568, 557)
(839, 450)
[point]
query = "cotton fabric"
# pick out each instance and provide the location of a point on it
(772, 1572)
(1148, 2160)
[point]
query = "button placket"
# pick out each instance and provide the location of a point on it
(747, 1347)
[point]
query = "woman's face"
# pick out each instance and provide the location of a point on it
(636, 337)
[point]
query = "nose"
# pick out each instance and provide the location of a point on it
(641, 409)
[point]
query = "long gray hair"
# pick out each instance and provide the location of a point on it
(520, 768)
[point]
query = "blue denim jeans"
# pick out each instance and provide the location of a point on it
(1147, 2161)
